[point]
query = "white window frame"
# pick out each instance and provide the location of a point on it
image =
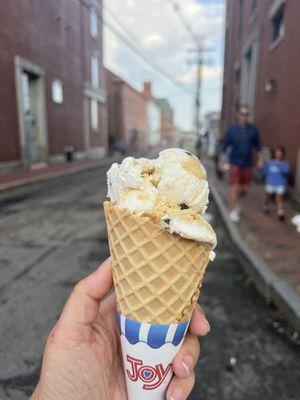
(94, 114)
(95, 71)
(57, 91)
(278, 4)
(94, 22)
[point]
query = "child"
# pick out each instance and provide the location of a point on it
(276, 172)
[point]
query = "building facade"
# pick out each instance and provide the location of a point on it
(52, 83)
(212, 130)
(261, 69)
(127, 113)
(153, 131)
(168, 131)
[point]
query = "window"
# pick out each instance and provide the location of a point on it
(95, 71)
(57, 91)
(94, 114)
(278, 24)
(237, 75)
(94, 22)
(241, 19)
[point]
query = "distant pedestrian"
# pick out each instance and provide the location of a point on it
(198, 146)
(217, 154)
(276, 172)
(240, 140)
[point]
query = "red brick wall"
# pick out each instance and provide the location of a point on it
(232, 46)
(277, 114)
(127, 110)
(47, 33)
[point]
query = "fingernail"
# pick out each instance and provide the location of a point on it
(187, 364)
(207, 326)
(177, 394)
(108, 260)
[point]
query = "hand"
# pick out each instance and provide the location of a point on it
(82, 357)
(221, 163)
(260, 161)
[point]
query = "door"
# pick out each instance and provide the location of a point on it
(29, 102)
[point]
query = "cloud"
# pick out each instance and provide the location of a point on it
(160, 33)
(153, 40)
(209, 73)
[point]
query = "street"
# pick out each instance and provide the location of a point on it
(54, 234)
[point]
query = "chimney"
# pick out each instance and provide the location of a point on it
(147, 89)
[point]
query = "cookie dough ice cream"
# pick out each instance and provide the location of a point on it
(171, 190)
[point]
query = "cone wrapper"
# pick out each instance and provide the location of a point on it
(148, 352)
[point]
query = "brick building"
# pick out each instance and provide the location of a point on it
(261, 68)
(153, 131)
(127, 112)
(51, 92)
(167, 128)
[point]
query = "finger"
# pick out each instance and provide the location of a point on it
(199, 325)
(186, 359)
(109, 303)
(82, 306)
(179, 389)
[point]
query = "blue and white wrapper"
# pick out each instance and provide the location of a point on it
(148, 352)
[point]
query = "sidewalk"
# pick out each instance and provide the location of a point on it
(269, 248)
(24, 177)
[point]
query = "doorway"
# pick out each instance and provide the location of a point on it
(31, 112)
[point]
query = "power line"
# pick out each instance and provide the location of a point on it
(183, 21)
(160, 70)
(135, 46)
(199, 50)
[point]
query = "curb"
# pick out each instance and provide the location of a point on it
(271, 287)
(10, 186)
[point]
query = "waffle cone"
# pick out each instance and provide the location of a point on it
(157, 275)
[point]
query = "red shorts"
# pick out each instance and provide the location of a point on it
(240, 176)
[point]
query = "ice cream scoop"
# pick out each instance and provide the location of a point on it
(171, 190)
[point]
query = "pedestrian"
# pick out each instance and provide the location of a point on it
(276, 172)
(198, 146)
(240, 140)
(216, 157)
(82, 359)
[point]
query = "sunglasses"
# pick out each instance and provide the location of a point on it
(244, 114)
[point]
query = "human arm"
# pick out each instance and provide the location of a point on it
(257, 146)
(225, 146)
(82, 358)
(285, 168)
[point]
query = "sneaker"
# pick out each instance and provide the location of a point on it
(234, 216)
(281, 216)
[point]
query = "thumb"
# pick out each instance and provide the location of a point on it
(82, 306)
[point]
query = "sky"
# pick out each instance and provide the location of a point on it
(156, 27)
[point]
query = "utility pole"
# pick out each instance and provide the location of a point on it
(198, 124)
(199, 50)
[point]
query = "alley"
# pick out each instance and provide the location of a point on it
(54, 234)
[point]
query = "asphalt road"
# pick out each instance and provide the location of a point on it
(54, 234)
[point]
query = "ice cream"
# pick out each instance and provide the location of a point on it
(160, 246)
(171, 190)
